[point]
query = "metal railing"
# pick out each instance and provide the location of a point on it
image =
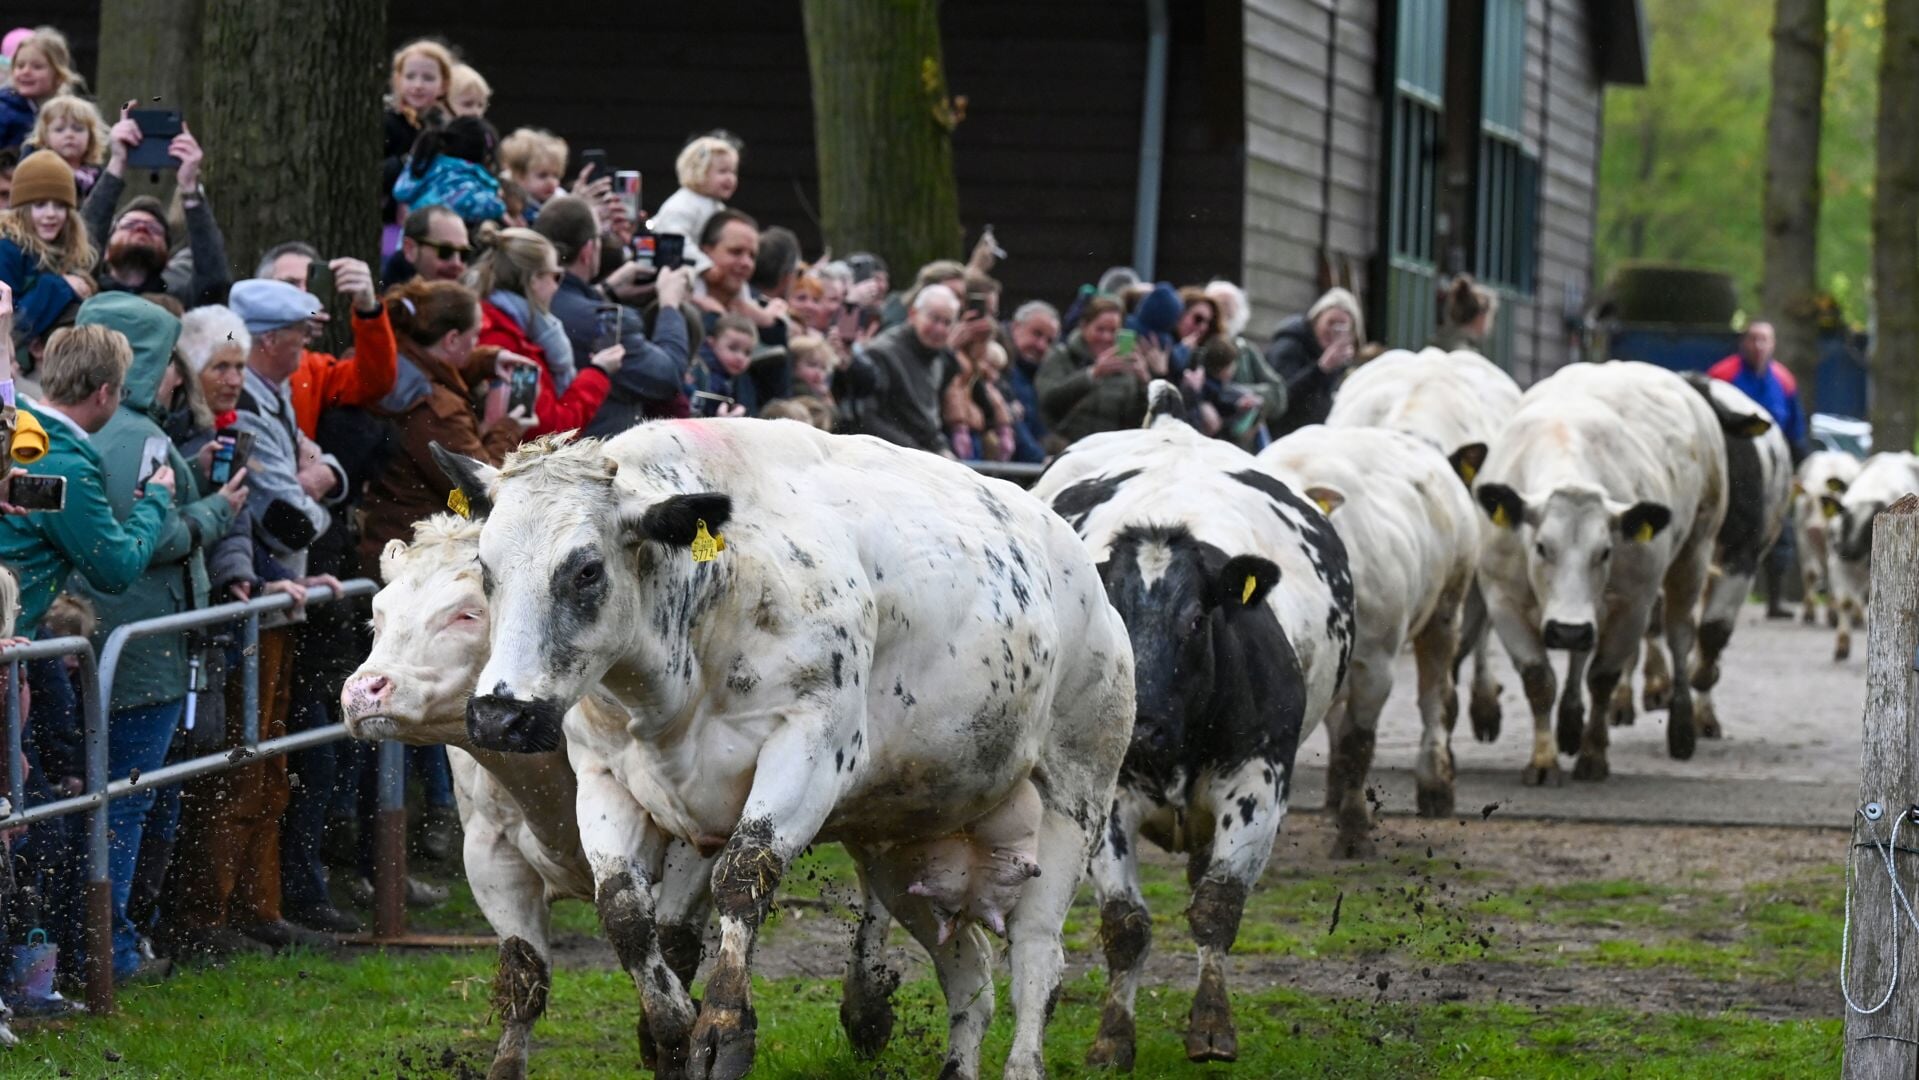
(96, 698)
(1023, 473)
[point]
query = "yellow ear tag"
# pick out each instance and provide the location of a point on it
(1325, 507)
(1466, 469)
(1829, 510)
(1246, 594)
(1644, 533)
(706, 546)
(1500, 517)
(456, 502)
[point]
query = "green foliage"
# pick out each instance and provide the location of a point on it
(1683, 169)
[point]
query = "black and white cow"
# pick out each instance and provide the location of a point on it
(809, 639)
(1824, 472)
(1236, 594)
(1458, 402)
(1851, 510)
(1605, 491)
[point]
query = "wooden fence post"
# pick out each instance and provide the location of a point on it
(1886, 1043)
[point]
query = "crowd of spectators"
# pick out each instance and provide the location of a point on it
(212, 453)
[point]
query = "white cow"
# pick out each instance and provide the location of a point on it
(809, 639)
(1605, 492)
(1824, 472)
(1412, 537)
(1237, 596)
(1457, 401)
(1882, 480)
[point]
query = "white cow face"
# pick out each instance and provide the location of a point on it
(429, 642)
(1568, 538)
(576, 581)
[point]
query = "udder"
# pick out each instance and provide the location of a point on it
(978, 872)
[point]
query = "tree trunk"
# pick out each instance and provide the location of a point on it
(883, 127)
(291, 101)
(149, 52)
(1895, 234)
(1791, 283)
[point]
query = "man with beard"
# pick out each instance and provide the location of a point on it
(138, 241)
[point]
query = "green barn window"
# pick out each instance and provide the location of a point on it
(1508, 197)
(1412, 170)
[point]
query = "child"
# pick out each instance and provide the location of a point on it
(534, 160)
(452, 166)
(71, 127)
(415, 102)
(1227, 409)
(42, 67)
(468, 93)
(709, 172)
(45, 256)
(721, 370)
(974, 414)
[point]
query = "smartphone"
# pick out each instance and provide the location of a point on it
(230, 452)
(157, 130)
(1124, 341)
(595, 157)
(608, 318)
(975, 307)
(1246, 421)
(644, 246)
(669, 251)
(40, 492)
(626, 187)
(523, 388)
(709, 401)
(153, 454)
(320, 281)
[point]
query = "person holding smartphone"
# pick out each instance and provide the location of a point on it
(136, 240)
(1311, 352)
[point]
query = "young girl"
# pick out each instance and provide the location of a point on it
(44, 251)
(416, 101)
(71, 127)
(469, 93)
(452, 166)
(534, 160)
(42, 67)
(709, 172)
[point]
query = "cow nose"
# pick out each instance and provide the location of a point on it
(512, 726)
(1576, 636)
(366, 694)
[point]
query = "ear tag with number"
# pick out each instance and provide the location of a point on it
(1246, 594)
(1500, 517)
(456, 502)
(707, 546)
(1644, 533)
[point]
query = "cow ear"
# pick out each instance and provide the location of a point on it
(472, 481)
(1468, 460)
(1326, 497)
(1745, 426)
(676, 519)
(1642, 521)
(1243, 582)
(388, 556)
(1502, 504)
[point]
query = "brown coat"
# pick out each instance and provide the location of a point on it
(413, 487)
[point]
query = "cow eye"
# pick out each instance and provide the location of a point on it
(590, 574)
(1540, 550)
(1604, 554)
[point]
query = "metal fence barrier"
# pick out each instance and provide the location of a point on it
(96, 696)
(1023, 473)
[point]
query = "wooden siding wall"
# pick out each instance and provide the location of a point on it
(1292, 212)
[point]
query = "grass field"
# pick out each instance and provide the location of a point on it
(1444, 965)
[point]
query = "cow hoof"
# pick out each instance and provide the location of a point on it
(507, 1068)
(1571, 730)
(1542, 775)
(1708, 725)
(1681, 739)
(1354, 845)
(1485, 716)
(1212, 1046)
(721, 1047)
(1842, 649)
(1621, 713)
(1113, 1047)
(1832, 618)
(866, 1012)
(1591, 767)
(1435, 802)
(1657, 695)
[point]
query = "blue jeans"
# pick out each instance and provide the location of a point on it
(303, 826)
(136, 739)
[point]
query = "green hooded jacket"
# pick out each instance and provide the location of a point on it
(152, 670)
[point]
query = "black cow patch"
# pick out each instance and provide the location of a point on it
(1742, 537)
(1078, 501)
(579, 587)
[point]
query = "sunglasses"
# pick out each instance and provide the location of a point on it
(449, 251)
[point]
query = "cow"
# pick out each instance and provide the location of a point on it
(805, 638)
(1882, 479)
(1411, 532)
(1823, 472)
(1605, 491)
(1237, 596)
(1457, 401)
(1758, 496)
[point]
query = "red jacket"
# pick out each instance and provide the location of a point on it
(362, 378)
(1728, 369)
(569, 412)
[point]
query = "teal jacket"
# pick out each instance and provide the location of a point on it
(108, 551)
(154, 669)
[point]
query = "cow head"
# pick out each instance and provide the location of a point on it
(1567, 538)
(1177, 596)
(579, 572)
(429, 638)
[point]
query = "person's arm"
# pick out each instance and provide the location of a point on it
(34, 308)
(97, 211)
(653, 369)
(109, 554)
(286, 519)
(575, 408)
(211, 278)
(369, 374)
(1060, 385)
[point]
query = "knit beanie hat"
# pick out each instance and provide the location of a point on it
(1335, 297)
(145, 204)
(42, 176)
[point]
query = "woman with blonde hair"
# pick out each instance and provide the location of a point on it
(45, 257)
(516, 282)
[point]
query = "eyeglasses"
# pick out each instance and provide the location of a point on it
(142, 225)
(450, 251)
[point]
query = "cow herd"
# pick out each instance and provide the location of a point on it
(666, 664)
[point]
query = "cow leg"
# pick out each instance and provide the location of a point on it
(1619, 711)
(1571, 716)
(1620, 627)
(1684, 582)
(866, 1000)
(1369, 681)
(1520, 635)
(1433, 771)
(1715, 633)
(1250, 808)
(512, 896)
(1475, 636)
(627, 853)
(1656, 694)
(962, 962)
(1036, 953)
(1125, 928)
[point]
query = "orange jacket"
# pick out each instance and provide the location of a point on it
(360, 379)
